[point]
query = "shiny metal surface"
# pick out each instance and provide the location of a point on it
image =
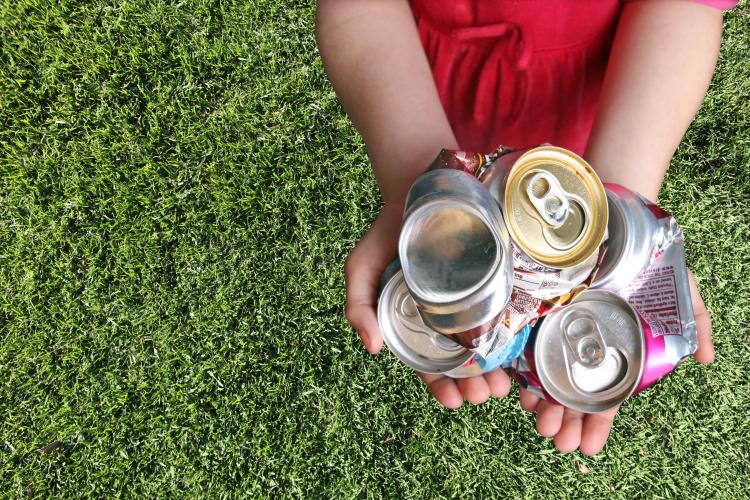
(557, 224)
(590, 355)
(410, 339)
(584, 338)
(548, 197)
(450, 250)
(546, 283)
(632, 228)
(455, 253)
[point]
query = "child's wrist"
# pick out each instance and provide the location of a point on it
(392, 208)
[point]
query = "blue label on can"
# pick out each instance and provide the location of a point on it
(507, 354)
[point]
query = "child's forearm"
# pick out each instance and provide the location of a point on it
(661, 65)
(375, 61)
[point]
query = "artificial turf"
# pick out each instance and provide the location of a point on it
(179, 188)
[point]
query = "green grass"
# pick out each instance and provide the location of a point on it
(178, 190)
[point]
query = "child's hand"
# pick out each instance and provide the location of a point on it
(363, 268)
(451, 392)
(572, 430)
(364, 265)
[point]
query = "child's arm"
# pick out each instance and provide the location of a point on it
(375, 61)
(658, 73)
(659, 69)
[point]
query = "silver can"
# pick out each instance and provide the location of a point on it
(645, 264)
(455, 255)
(589, 355)
(425, 350)
(632, 229)
(415, 344)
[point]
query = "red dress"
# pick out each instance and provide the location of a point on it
(518, 73)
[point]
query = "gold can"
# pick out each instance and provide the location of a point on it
(555, 207)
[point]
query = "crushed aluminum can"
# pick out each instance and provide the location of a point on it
(475, 164)
(632, 244)
(504, 357)
(455, 256)
(661, 293)
(588, 356)
(645, 264)
(594, 353)
(425, 350)
(554, 203)
(546, 283)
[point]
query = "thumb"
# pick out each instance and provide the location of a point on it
(705, 352)
(362, 270)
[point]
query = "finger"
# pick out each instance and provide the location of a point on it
(548, 418)
(498, 382)
(361, 296)
(444, 389)
(365, 321)
(705, 352)
(529, 402)
(596, 427)
(362, 272)
(569, 437)
(474, 389)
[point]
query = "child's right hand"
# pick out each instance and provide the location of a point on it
(375, 60)
(363, 268)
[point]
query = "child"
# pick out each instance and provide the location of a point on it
(616, 82)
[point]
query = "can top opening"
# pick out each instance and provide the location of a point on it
(555, 207)
(590, 355)
(450, 250)
(409, 338)
(548, 198)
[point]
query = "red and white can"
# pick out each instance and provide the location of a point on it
(645, 264)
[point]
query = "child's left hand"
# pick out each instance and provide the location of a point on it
(573, 430)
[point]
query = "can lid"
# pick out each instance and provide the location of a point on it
(409, 338)
(455, 252)
(555, 207)
(590, 355)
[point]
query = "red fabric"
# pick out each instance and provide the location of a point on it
(518, 73)
(716, 4)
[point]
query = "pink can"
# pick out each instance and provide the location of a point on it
(594, 353)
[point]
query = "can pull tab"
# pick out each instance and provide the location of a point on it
(548, 197)
(584, 338)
